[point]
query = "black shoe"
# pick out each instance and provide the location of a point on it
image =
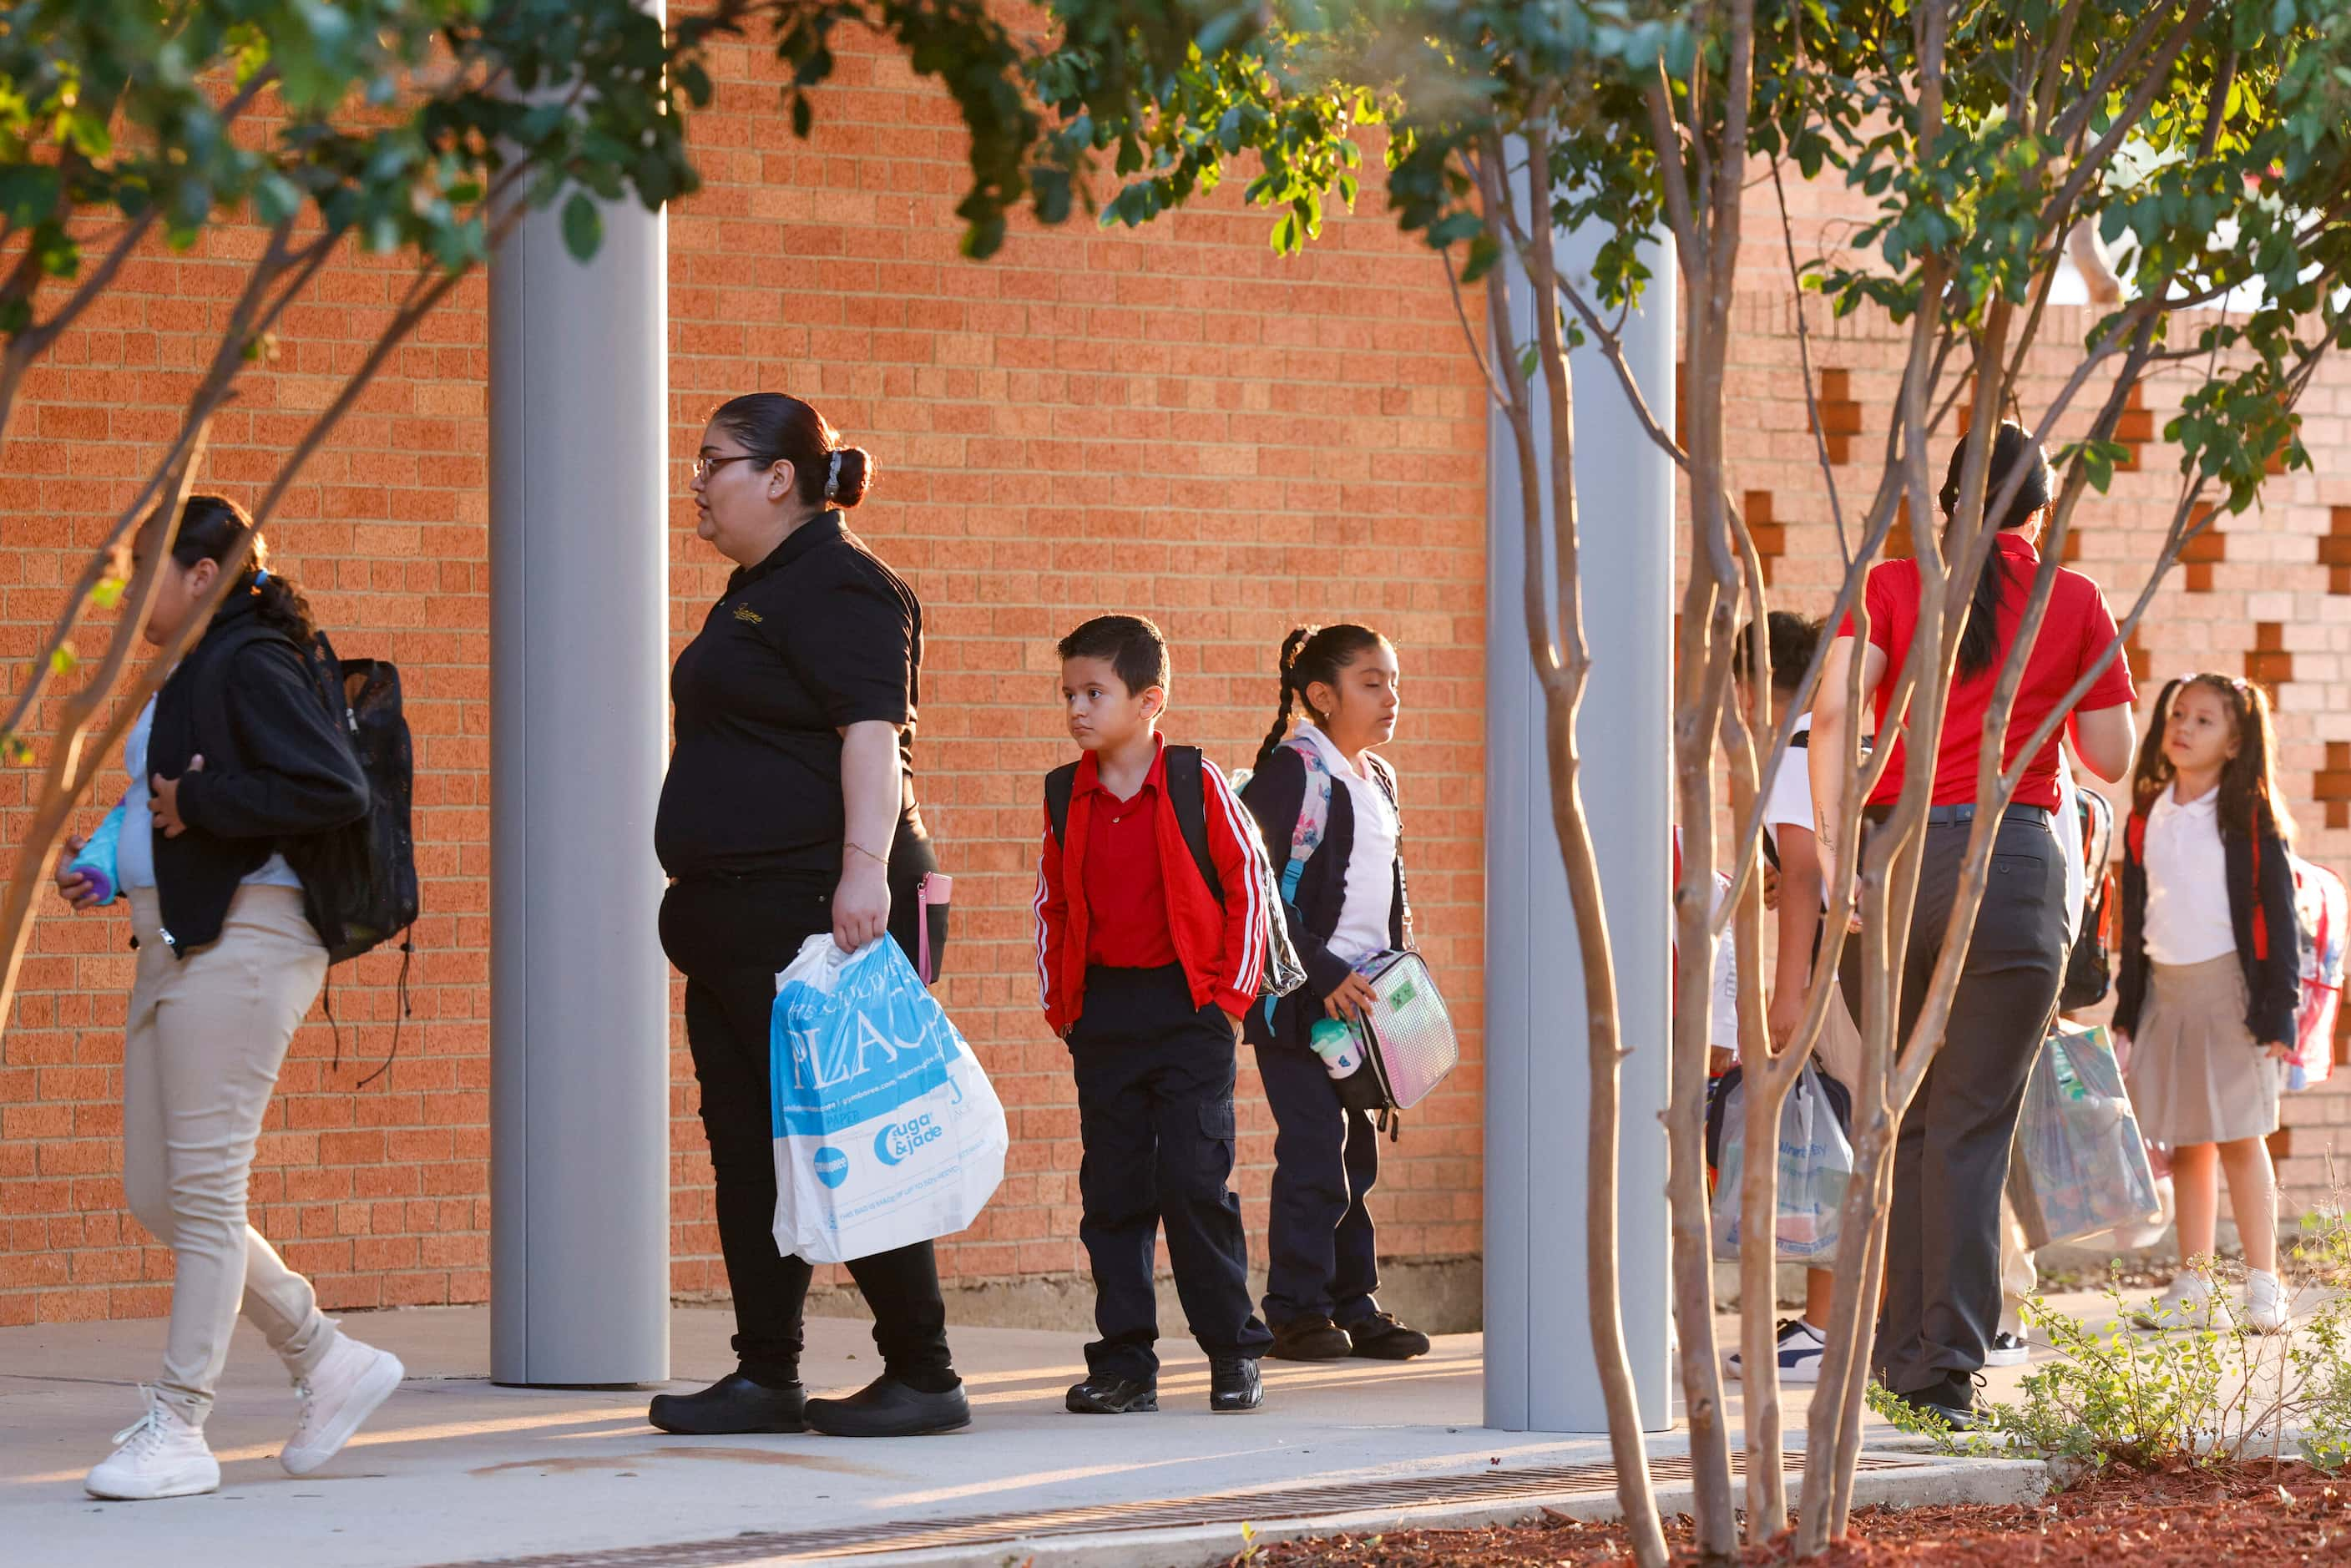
(886, 1408)
(1311, 1338)
(1234, 1385)
(732, 1404)
(1105, 1396)
(1954, 1401)
(1380, 1338)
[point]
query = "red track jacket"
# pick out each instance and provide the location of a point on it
(1221, 947)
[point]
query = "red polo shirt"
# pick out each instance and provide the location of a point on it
(1126, 899)
(2076, 630)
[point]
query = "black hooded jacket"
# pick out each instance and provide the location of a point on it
(1275, 796)
(275, 766)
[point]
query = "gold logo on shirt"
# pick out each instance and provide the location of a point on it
(744, 612)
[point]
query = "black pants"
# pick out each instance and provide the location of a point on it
(1155, 1114)
(729, 939)
(1323, 1260)
(1950, 1156)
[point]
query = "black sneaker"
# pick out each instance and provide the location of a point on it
(1954, 1401)
(886, 1408)
(1380, 1338)
(1313, 1338)
(732, 1404)
(1234, 1385)
(1106, 1395)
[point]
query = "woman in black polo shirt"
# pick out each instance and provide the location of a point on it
(790, 810)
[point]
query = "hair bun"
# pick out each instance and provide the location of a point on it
(856, 475)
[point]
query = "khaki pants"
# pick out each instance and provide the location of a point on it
(199, 1058)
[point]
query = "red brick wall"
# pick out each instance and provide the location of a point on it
(1180, 422)
(2265, 602)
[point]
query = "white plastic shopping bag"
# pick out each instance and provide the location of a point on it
(2078, 1166)
(1815, 1164)
(887, 1131)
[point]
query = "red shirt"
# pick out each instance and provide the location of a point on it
(2075, 631)
(1126, 899)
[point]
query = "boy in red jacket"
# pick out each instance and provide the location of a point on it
(1149, 945)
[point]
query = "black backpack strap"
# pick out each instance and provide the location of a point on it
(1187, 787)
(1059, 785)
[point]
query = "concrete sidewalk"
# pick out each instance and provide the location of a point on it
(455, 1470)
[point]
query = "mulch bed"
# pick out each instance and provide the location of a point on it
(2177, 1517)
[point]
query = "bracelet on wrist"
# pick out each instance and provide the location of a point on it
(882, 861)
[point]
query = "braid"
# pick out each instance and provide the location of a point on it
(1281, 731)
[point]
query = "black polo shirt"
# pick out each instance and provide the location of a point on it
(820, 635)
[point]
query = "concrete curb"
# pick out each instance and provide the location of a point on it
(1934, 1483)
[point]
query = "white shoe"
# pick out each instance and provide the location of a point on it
(158, 1455)
(1801, 1348)
(337, 1399)
(2007, 1349)
(2265, 1311)
(2188, 1303)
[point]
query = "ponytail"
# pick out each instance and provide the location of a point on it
(1980, 641)
(1297, 639)
(213, 526)
(1311, 655)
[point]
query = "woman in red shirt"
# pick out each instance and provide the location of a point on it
(1950, 1159)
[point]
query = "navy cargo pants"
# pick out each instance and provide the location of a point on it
(1155, 1114)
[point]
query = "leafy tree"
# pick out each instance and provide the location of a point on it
(2209, 142)
(420, 130)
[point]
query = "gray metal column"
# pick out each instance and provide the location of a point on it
(1539, 1371)
(579, 1092)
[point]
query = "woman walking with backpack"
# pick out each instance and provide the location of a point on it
(1327, 805)
(236, 756)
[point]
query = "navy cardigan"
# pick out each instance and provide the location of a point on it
(2260, 908)
(1275, 796)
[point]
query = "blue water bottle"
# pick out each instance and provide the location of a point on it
(95, 860)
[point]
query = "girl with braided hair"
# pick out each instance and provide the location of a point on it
(1344, 898)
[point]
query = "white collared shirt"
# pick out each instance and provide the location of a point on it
(2186, 881)
(1364, 926)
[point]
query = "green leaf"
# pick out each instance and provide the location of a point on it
(583, 225)
(62, 659)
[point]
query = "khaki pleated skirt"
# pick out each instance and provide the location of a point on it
(2196, 1075)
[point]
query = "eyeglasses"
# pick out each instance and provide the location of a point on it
(704, 466)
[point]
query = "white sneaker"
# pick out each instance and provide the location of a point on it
(337, 1399)
(1801, 1346)
(2188, 1303)
(2007, 1349)
(158, 1455)
(2265, 1311)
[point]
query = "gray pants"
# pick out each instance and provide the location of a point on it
(1950, 1156)
(199, 1060)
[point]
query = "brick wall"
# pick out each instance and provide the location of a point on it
(2264, 600)
(1181, 424)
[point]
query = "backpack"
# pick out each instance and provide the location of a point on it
(1187, 787)
(2323, 913)
(365, 884)
(2089, 968)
